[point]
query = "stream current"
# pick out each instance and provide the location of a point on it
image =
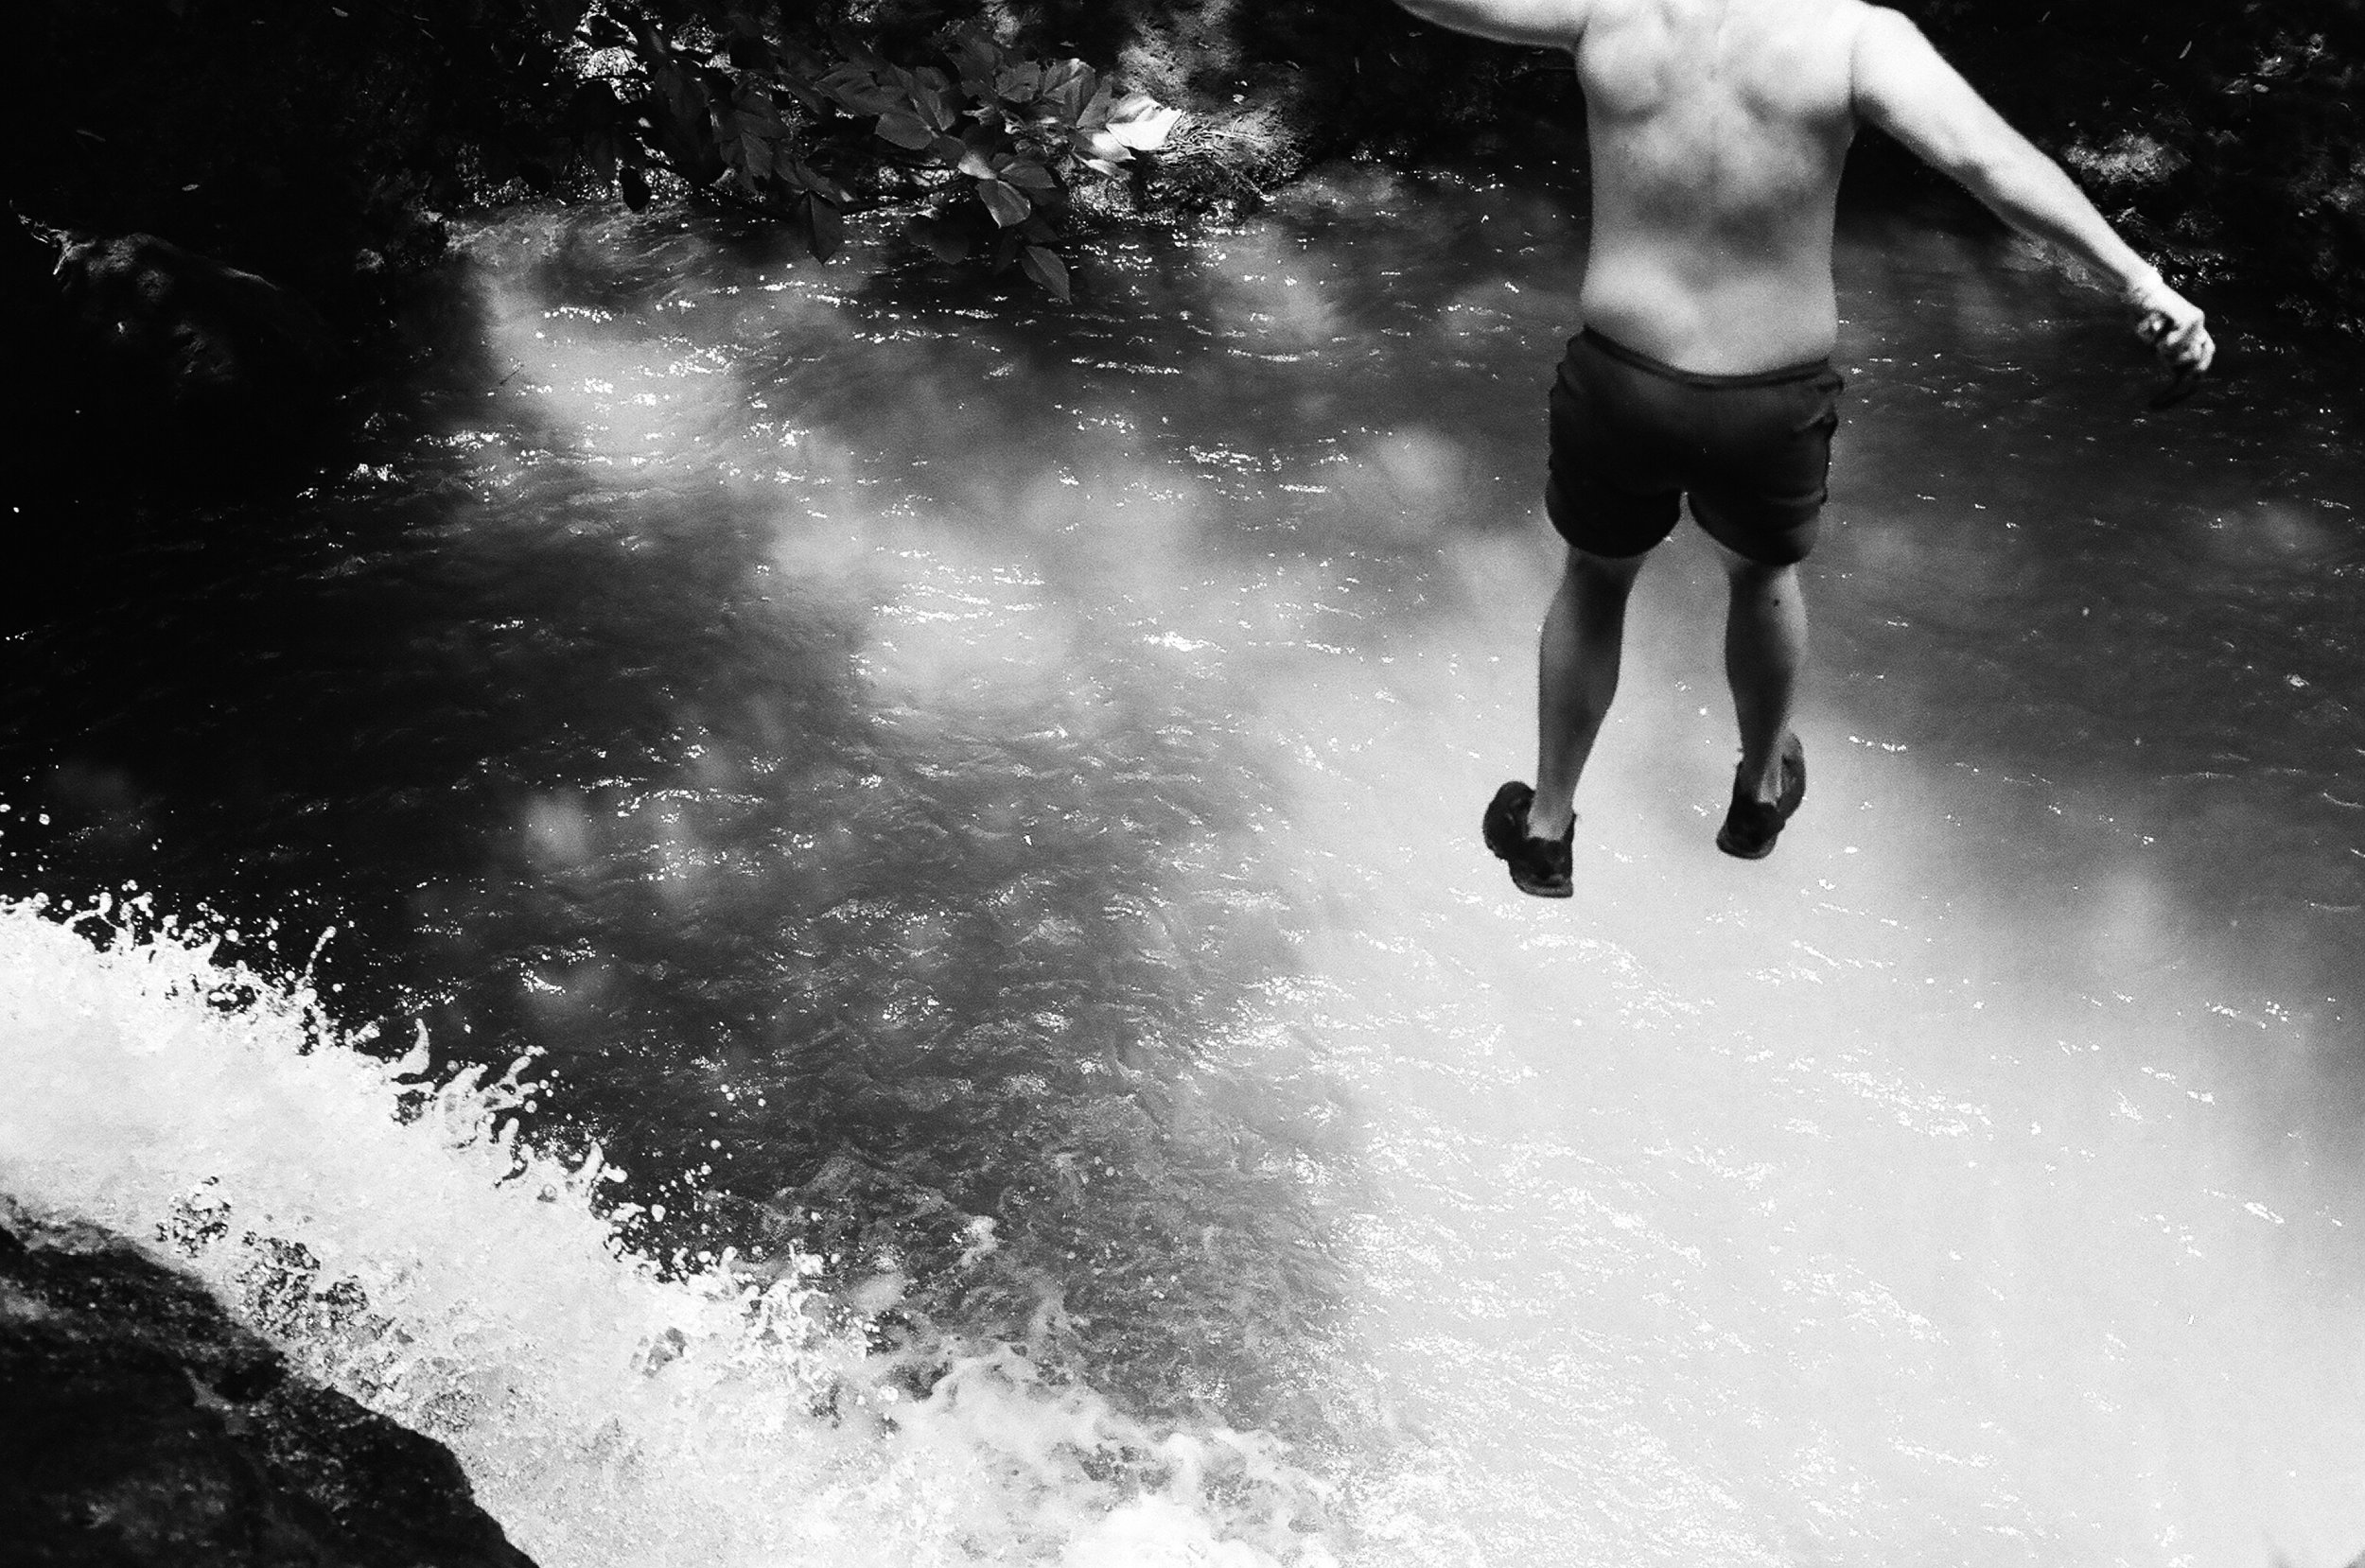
(969, 809)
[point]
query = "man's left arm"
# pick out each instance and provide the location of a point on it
(1546, 23)
(1902, 85)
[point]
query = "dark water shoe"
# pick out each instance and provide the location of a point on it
(1539, 866)
(1752, 825)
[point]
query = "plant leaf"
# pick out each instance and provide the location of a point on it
(757, 155)
(802, 176)
(755, 106)
(978, 57)
(1003, 202)
(854, 49)
(825, 230)
(1018, 82)
(1029, 175)
(1101, 145)
(1141, 122)
(1046, 268)
(858, 92)
(1066, 87)
(803, 92)
(905, 129)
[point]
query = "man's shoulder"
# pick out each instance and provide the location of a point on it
(1846, 22)
(1881, 29)
(1894, 65)
(1800, 54)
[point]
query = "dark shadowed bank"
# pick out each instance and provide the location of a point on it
(144, 1427)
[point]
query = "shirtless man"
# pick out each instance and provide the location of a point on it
(1717, 129)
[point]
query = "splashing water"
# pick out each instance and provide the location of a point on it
(408, 1250)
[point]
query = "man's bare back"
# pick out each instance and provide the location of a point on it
(1717, 132)
(1701, 379)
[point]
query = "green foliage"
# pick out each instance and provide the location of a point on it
(993, 143)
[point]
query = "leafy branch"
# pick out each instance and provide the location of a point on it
(999, 142)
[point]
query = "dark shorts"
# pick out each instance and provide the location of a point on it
(1632, 435)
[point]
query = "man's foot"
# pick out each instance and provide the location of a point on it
(1752, 825)
(1539, 866)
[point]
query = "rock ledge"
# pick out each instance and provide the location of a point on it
(144, 1426)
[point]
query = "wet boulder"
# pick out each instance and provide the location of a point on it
(189, 341)
(144, 1427)
(135, 361)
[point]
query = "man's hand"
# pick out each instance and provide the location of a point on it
(2177, 331)
(2172, 324)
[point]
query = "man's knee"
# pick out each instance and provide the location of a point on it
(1597, 573)
(1745, 572)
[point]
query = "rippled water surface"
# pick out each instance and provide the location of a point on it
(981, 798)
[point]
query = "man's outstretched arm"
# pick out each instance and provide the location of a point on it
(1907, 89)
(1546, 23)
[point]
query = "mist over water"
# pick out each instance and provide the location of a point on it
(907, 764)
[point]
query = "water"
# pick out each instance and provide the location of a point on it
(971, 807)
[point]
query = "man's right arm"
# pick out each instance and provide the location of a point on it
(1548, 24)
(1905, 87)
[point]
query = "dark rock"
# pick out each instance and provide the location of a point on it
(201, 344)
(141, 367)
(143, 1426)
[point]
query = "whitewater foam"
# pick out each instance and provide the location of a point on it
(399, 1241)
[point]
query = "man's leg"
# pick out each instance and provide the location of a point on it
(1576, 677)
(1765, 642)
